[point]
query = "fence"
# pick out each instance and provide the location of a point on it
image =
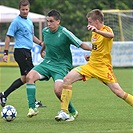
(122, 55)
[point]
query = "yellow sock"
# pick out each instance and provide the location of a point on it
(128, 98)
(66, 97)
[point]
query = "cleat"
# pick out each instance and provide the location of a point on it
(38, 104)
(2, 99)
(73, 116)
(32, 112)
(62, 116)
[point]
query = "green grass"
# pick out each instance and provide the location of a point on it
(100, 111)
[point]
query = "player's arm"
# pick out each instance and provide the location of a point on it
(108, 33)
(37, 41)
(42, 52)
(105, 34)
(76, 41)
(85, 46)
(7, 42)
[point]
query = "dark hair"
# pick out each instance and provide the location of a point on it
(23, 3)
(55, 14)
(96, 14)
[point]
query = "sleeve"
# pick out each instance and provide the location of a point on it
(74, 40)
(12, 29)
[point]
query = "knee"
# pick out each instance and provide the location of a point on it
(29, 78)
(67, 80)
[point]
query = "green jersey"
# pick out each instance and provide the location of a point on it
(58, 46)
(58, 59)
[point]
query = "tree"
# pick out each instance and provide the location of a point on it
(73, 12)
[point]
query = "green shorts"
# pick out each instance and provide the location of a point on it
(48, 70)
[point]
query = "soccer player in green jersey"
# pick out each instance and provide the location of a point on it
(57, 61)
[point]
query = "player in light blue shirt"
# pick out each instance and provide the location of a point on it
(22, 30)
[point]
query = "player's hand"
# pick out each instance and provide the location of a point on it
(5, 58)
(42, 43)
(43, 54)
(87, 57)
(92, 28)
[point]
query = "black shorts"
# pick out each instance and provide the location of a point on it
(24, 59)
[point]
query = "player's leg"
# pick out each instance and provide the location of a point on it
(107, 76)
(3, 95)
(16, 84)
(31, 77)
(58, 90)
(20, 59)
(78, 73)
(71, 77)
(73, 112)
(37, 73)
(24, 60)
(116, 89)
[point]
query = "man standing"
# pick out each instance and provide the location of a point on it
(22, 30)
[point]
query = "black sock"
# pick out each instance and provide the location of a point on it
(16, 84)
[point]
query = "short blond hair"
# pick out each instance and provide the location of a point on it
(96, 14)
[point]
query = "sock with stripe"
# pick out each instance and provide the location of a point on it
(31, 90)
(128, 98)
(66, 97)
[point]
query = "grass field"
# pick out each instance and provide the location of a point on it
(100, 111)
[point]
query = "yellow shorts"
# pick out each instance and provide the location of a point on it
(102, 72)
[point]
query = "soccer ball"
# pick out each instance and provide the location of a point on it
(8, 113)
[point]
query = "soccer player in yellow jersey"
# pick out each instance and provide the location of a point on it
(99, 65)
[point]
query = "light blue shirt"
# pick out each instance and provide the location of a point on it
(22, 30)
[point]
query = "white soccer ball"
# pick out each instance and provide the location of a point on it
(8, 113)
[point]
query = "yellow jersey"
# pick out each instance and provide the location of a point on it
(99, 65)
(101, 48)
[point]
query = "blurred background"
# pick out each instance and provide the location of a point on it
(117, 14)
(74, 15)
